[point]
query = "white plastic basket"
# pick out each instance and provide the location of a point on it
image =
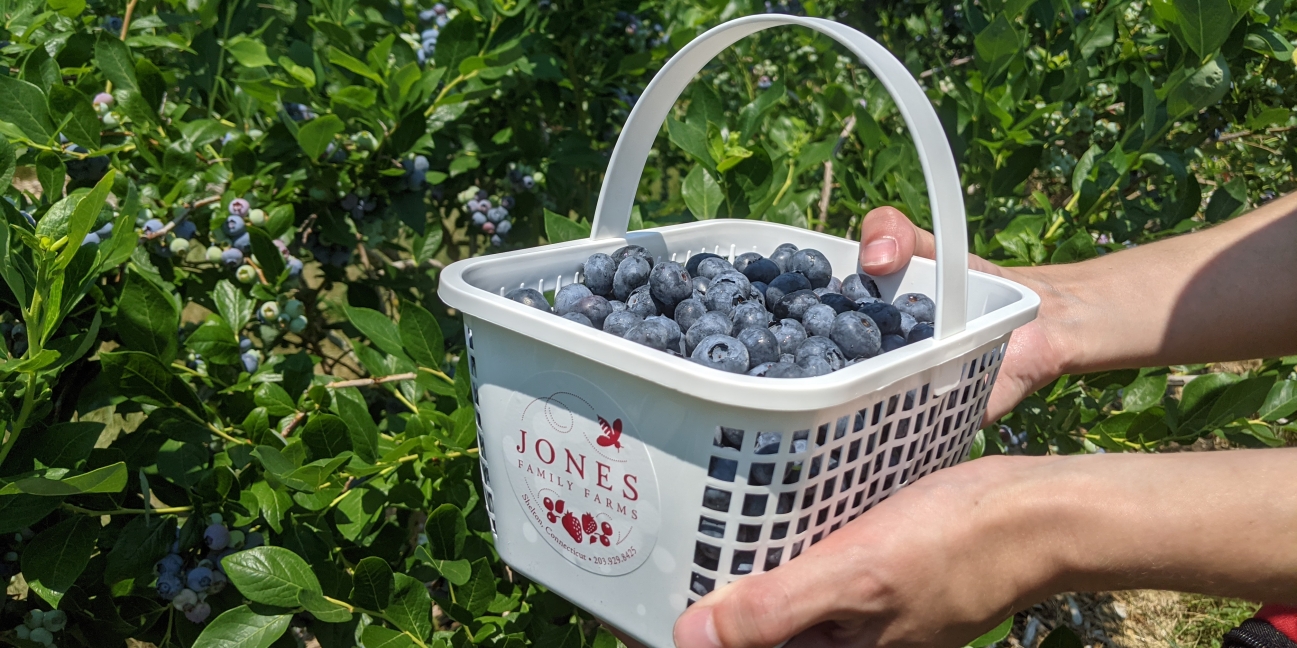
(693, 476)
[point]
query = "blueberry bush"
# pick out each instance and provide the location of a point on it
(235, 413)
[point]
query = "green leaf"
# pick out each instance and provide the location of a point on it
(1280, 403)
(350, 405)
(1205, 24)
(372, 584)
(315, 135)
(355, 97)
(115, 61)
(276, 401)
(446, 532)
(995, 635)
(690, 138)
(325, 436)
(144, 541)
(64, 445)
(108, 479)
(1226, 201)
(1078, 247)
(478, 593)
(1202, 391)
(83, 124)
(235, 308)
(421, 336)
(560, 229)
(378, 328)
(322, 608)
(457, 41)
(147, 317)
(1144, 393)
(376, 636)
(411, 608)
(215, 341)
(58, 555)
(249, 52)
(69, 8)
(24, 107)
(83, 218)
(1062, 637)
(702, 193)
(456, 571)
(240, 627)
(263, 246)
(998, 43)
(273, 503)
(349, 62)
(1239, 400)
(52, 174)
(300, 73)
(20, 511)
(270, 575)
(8, 163)
(1199, 89)
(143, 377)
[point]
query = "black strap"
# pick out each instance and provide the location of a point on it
(1255, 633)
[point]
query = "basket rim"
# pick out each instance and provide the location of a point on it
(684, 376)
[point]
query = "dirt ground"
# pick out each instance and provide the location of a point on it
(1134, 619)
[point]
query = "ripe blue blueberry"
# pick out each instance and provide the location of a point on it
(818, 320)
(813, 265)
(617, 306)
(670, 284)
(496, 240)
(818, 366)
(921, 331)
(795, 304)
(245, 344)
(239, 207)
(688, 312)
(641, 301)
(712, 323)
(790, 333)
(788, 282)
(216, 537)
(578, 318)
(294, 267)
(184, 229)
(835, 286)
(621, 253)
(722, 352)
(857, 335)
(742, 261)
(653, 333)
(858, 286)
(732, 277)
(724, 297)
(674, 334)
(566, 298)
(502, 229)
(886, 316)
(891, 343)
(713, 266)
(918, 305)
(232, 257)
(496, 214)
(199, 579)
(750, 314)
(170, 564)
(839, 303)
(691, 266)
(620, 322)
(777, 370)
(479, 219)
(250, 361)
(152, 225)
(820, 348)
(632, 272)
(529, 297)
(199, 612)
(759, 288)
(169, 585)
(763, 270)
(595, 308)
(783, 256)
(761, 344)
(105, 231)
(244, 243)
(599, 271)
(90, 239)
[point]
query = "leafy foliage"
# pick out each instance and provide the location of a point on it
(293, 370)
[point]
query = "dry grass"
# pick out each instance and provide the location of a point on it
(1135, 619)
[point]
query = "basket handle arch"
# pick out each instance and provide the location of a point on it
(617, 195)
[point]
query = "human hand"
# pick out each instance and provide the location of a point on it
(1037, 352)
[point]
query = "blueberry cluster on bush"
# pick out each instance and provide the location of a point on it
(781, 316)
(439, 15)
(185, 580)
(39, 626)
(231, 242)
(488, 216)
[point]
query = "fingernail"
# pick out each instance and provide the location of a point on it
(880, 252)
(697, 630)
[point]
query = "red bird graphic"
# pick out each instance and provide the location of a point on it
(611, 433)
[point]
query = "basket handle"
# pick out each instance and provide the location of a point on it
(612, 212)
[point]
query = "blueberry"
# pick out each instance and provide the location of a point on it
(497, 241)
(169, 585)
(595, 308)
(818, 320)
(152, 225)
(199, 579)
(599, 270)
(818, 366)
(891, 343)
(670, 284)
(105, 231)
(294, 267)
(722, 352)
(673, 330)
(821, 348)
(858, 286)
(713, 323)
(777, 370)
(839, 303)
(814, 265)
(621, 253)
(921, 331)
(691, 266)
(55, 620)
(199, 612)
(724, 297)
(90, 239)
(566, 298)
(496, 214)
(479, 219)
(41, 635)
(502, 229)
(761, 344)
(184, 229)
(620, 322)
(632, 272)
(794, 305)
(235, 227)
(787, 358)
(617, 306)
(750, 314)
(835, 286)
(763, 270)
(788, 282)
(250, 361)
(731, 277)
(907, 323)
(216, 537)
(783, 255)
(713, 266)
(688, 312)
(170, 564)
(653, 333)
(232, 257)
(245, 344)
(759, 288)
(742, 261)
(885, 315)
(917, 305)
(790, 334)
(641, 302)
(574, 316)
(700, 284)
(529, 297)
(244, 243)
(857, 335)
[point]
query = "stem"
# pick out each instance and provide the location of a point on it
(792, 165)
(232, 439)
(369, 382)
(29, 402)
(377, 615)
(126, 511)
(438, 374)
(402, 398)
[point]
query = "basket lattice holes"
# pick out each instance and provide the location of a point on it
(770, 494)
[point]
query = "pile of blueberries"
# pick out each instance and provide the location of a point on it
(782, 316)
(39, 626)
(186, 582)
(491, 218)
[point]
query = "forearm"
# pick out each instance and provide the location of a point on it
(1219, 523)
(1225, 293)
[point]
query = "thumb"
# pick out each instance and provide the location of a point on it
(767, 609)
(888, 240)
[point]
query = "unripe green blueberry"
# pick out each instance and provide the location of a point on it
(317, 193)
(11, 556)
(257, 217)
(55, 620)
(293, 308)
(23, 632)
(297, 324)
(110, 120)
(214, 254)
(34, 618)
(236, 539)
(255, 133)
(269, 312)
(538, 176)
(365, 141)
(42, 636)
(215, 518)
(179, 246)
(246, 274)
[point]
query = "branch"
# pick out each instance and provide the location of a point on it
(1228, 137)
(167, 228)
(370, 382)
(954, 63)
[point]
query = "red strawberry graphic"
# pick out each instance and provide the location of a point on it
(572, 525)
(588, 524)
